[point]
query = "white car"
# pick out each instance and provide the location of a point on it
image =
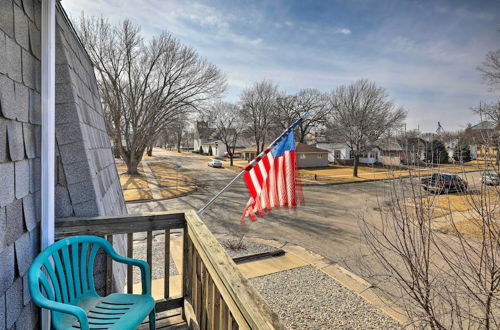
(215, 163)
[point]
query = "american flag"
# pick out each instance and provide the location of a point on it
(272, 179)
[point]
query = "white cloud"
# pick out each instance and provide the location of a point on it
(345, 31)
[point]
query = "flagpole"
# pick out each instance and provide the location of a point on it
(252, 163)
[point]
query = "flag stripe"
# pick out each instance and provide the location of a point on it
(272, 179)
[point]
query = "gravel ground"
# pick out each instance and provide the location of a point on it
(249, 247)
(306, 298)
(158, 270)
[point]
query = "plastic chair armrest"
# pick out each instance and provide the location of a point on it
(76, 311)
(143, 266)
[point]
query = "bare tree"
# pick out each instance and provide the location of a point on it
(490, 69)
(447, 269)
(257, 104)
(361, 114)
(145, 84)
(289, 108)
(228, 125)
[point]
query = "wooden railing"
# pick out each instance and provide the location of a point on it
(214, 294)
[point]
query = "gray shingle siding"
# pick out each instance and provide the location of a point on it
(82, 145)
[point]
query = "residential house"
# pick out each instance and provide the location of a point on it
(310, 156)
(483, 139)
(338, 150)
(206, 138)
(413, 150)
(307, 155)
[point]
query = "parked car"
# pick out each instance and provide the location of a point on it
(490, 178)
(215, 163)
(444, 183)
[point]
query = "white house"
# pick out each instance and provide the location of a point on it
(206, 138)
(385, 151)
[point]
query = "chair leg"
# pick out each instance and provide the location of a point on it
(152, 320)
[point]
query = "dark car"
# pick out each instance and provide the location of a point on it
(444, 183)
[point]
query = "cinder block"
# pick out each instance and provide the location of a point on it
(14, 213)
(8, 268)
(21, 28)
(7, 180)
(22, 183)
(31, 216)
(7, 97)
(35, 40)
(24, 254)
(22, 102)
(14, 297)
(7, 17)
(16, 140)
(13, 55)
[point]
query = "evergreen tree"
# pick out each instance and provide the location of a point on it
(201, 150)
(210, 152)
(436, 153)
(461, 153)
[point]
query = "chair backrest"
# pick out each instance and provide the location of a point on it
(65, 270)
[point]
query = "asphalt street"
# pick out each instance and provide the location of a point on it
(328, 223)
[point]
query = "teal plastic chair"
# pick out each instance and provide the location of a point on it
(65, 272)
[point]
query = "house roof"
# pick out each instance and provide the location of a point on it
(305, 148)
(250, 149)
(389, 144)
(484, 125)
(299, 147)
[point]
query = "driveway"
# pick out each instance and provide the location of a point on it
(327, 224)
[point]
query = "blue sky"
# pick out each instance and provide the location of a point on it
(425, 53)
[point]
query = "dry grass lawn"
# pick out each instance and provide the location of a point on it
(137, 187)
(458, 212)
(166, 176)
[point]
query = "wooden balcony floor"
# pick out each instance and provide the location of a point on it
(171, 320)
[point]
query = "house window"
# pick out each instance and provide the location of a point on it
(320, 156)
(337, 154)
(302, 156)
(351, 154)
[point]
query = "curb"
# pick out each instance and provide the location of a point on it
(346, 278)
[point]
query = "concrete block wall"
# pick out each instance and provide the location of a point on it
(87, 183)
